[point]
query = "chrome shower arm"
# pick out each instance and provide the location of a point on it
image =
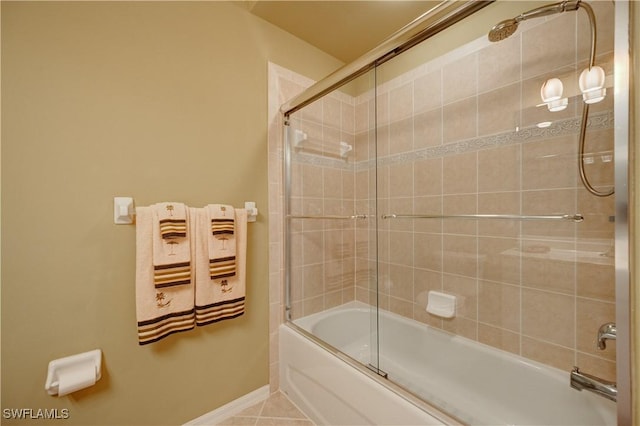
(550, 9)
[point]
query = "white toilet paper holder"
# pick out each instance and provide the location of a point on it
(86, 360)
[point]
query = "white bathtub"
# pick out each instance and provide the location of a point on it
(472, 382)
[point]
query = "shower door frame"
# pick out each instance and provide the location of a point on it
(441, 17)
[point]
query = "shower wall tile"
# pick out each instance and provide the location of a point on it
(400, 248)
(461, 326)
(430, 205)
(460, 174)
(380, 144)
(347, 118)
(499, 169)
(606, 369)
(558, 201)
(597, 211)
(331, 112)
(460, 120)
(499, 259)
(590, 315)
(401, 206)
(559, 155)
(460, 255)
(427, 249)
(312, 181)
(604, 12)
(499, 305)
(549, 265)
(401, 102)
(548, 353)
(549, 317)
(460, 205)
(466, 291)
(313, 281)
(541, 50)
(499, 110)
(401, 136)
(427, 92)
(401, 180)
(382, 109)
(599, 165)
(499, 338)
(427, 177)
(427, 129)
(595, 280)
(499, 64)
(401, 307)
(460, 79)
(499, 203)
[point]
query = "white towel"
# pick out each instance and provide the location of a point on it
(222, 242)
(171, 246)
(221, 298)
(159, 312)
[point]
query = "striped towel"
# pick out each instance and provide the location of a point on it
(172, 218)
(171, 256)
(159, 312)
(222, 242)
(219, 298)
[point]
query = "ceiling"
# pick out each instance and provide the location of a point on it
(343, 29)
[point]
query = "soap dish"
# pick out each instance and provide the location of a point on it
(441, 304)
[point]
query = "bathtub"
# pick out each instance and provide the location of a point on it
(472, 383)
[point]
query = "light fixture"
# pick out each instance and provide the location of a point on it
(591, 84)
(543, 124)
(551, 94)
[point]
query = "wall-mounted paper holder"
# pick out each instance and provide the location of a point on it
(72, 373)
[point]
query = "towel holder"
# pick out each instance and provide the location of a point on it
(124, 210)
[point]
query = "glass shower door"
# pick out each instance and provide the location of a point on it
(480, 202)
(330, 205)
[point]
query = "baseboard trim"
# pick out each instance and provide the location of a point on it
(232, 408)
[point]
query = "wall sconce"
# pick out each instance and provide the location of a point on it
(591, 84)
(551, 94)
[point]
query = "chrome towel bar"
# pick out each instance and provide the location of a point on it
(565, 217)
(356, 216)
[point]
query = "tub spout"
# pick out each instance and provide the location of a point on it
(580, 381)
(606, 332)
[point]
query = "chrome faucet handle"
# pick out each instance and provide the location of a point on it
(606, 332)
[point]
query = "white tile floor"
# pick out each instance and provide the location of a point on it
(274, 411)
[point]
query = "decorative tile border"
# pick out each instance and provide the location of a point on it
(571, 126)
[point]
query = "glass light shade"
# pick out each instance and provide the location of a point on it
(551, 90)
(558, 104)
(591, 84)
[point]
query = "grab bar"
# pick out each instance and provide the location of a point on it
(356, 216)
(568, 217)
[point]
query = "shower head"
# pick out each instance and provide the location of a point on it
(505, 28)
(502, 30)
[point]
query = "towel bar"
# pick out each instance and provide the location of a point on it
(568, 217)
(124, 210)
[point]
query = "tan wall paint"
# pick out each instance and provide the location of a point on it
(162, 101)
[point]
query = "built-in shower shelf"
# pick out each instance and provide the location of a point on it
(302, 143)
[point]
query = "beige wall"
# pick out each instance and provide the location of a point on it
(161, 101)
